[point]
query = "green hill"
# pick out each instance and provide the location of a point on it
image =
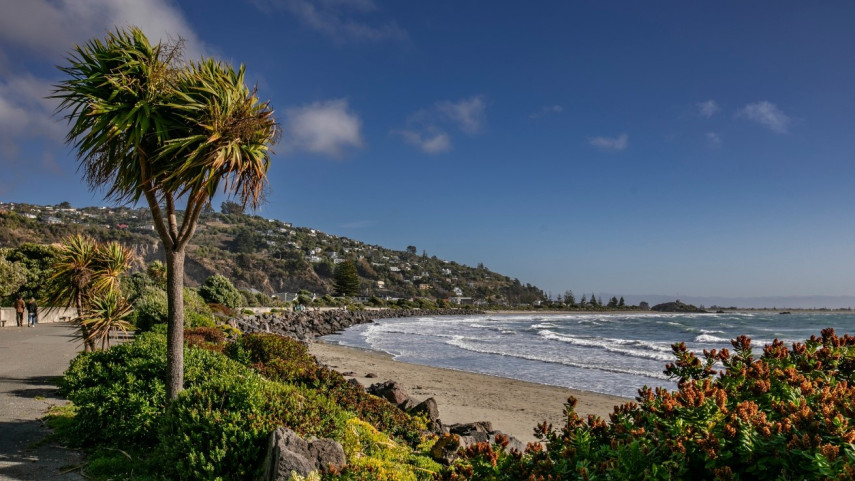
(269, 255)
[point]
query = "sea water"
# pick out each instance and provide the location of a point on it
(610, 353)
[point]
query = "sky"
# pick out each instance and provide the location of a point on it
(668, 147)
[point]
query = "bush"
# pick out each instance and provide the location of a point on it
(219, 290)
(120, 393)
(150, 308)
(373, 456)
(787, 415)
(286, 360)
(218, 430)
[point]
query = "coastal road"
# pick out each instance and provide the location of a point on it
(30, 360)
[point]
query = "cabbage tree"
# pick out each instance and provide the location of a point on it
(145, 125)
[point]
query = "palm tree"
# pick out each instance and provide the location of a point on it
(144, 125)
(72, 276)
(85, 269)
(105, 313)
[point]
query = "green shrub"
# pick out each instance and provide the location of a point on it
(120, 393)
(218, 430)
(372, 456)
(287, 360)
(788, 414)
(150, 308)
(218, 289)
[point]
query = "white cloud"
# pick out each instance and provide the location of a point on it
(468, 114)
(53, 27)
(768, 115)
(327, 128)
(615, 144)
(423, 126)
(708, 109)
(713, 139)
(43, 31)
(434, 142)
(339, 19)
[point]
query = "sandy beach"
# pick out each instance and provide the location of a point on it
(514, 407)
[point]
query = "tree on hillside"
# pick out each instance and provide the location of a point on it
(346, 279)
(411, 250)
(219, 289)
(232, 208)
(621, 302)
(146, 126)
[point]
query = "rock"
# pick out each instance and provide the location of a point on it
(474, 438)
(445, 449)
(349, 374)
(427, 407)
(390, 391)
(467, 429)
(371, 375)
(287, 452)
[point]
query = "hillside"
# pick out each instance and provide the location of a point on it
(269, 255)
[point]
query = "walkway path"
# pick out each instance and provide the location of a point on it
(30, 360)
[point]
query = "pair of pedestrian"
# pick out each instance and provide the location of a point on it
(32, 312)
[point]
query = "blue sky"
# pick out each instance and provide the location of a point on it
(678, 148)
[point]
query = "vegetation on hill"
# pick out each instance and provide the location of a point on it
(271, 256)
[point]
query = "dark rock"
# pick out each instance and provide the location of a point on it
(349, 374)
(287, 452)
(429, 408)
(467, 429)
(371, 375)
(474, 438)
(675, 306)
(390, 391)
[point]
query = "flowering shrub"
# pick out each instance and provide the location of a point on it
(789, 414)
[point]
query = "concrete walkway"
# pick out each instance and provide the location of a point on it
(30, 359)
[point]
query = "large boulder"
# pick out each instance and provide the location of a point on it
(287, 452)
(390, 391)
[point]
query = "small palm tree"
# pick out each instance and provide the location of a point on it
(73, 271)
(84, 270)
(105, 313)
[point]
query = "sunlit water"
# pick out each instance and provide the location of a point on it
(607, 353)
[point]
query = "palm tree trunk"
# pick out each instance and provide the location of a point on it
(88, 344)
(175, 322)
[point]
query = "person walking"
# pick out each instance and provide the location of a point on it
(32, 312)
(20, 305)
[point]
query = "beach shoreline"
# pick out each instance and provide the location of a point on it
(512, 406)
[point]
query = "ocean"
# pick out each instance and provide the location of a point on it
(609, 353)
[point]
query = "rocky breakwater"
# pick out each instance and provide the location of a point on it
(307, 325)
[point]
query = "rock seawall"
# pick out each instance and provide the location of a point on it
(311, 324)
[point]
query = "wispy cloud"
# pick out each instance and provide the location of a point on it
(427, 128)
(42, 31)
(327, 128)
(434, 142)
(713, 139)
(614, 144)
(546, 110)
(468, 114)
(340, 20)
(707, 109)
(768, 115)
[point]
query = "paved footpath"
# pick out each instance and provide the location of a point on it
(30, 359)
